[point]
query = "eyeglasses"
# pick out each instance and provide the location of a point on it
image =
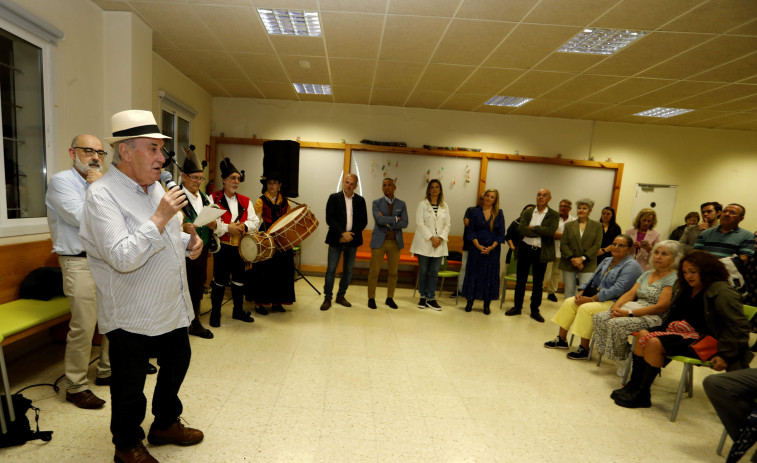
(620, 245)
(196, 178)
(91, 151)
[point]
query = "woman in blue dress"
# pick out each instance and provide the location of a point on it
(486, 233)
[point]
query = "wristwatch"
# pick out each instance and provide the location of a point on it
(630, 314)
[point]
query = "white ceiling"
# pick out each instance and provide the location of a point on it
(456, 54)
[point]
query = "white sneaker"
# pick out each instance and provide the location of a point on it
(432, 304)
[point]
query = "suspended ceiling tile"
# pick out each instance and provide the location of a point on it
(389, 96)
(747, 126)
(293, 45)
(743, 104)
(497, 10)
(423, 7)
(259, 67)
(408, 38)
(684, 119)
(581, 86)
(113, 5)
(398, 74)
(239, 88)
(716, 52)
(470, 41)
(223, 2)
(648, 51)
(352, 35)
(310, 5)
(444, 77)
(490, 80)
(217, 65)
(718, 96)
(627, 90)
(734, 118)
(535, 83)
(575, 12)
(349, 94)
(210, 86)
(613, 113)
(749, 28)
(182, 62)
(277, 90)
(715, 16)
(528, 44)
(494, 109)
(539, 107)
(644, 14)
(317, 98)
(674, 92)
(465, 101)
(161, 15)
(238, 29)
(355, 72)
(742, 68)
(569, 62)
(160, 42)
(317, 71)
(575, 110)
(363, 6)
(424, 99)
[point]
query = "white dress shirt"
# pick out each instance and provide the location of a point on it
(348, 204)
(65, 197)
(536, 219)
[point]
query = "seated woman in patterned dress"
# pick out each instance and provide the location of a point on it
(642, 307)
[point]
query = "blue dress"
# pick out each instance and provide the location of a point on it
(482, 270)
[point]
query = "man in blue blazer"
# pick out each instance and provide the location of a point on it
(347, 217)
(390, 215)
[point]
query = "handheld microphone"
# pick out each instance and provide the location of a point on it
(167, 178)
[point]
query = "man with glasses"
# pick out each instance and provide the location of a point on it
(197, 269)
(728, 239)
(710, 219)
(65, 199)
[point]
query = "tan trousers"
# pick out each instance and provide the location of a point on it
(392, 251)
(553, 276)
(577, 318)
(79, 287)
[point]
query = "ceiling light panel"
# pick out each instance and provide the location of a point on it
(512, 101)
(663, 112)
(601, 41)
(291, 22)
(313, 89)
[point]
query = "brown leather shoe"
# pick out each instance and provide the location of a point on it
(138, 454)
(177, 434)
(326, 304)
(103, 381)
(342, 301)
(85, 399)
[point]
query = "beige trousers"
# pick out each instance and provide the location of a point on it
(577, 318)
(392, 251)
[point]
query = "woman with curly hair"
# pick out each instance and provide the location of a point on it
(644, 237)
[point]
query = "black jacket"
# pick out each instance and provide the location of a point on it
(336, 218)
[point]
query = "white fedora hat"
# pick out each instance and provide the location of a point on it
(133, 123)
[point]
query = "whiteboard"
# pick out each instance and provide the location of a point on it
(518, 182)
(411, 172)
(320, 170)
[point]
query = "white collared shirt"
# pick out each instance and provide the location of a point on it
(65, 198)
(194, 200)
(536, 219)
(561, 229)
(348, 203)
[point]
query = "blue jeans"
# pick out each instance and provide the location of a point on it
(428, 275)
(349, 262)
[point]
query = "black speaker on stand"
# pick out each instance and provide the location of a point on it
(283, 156)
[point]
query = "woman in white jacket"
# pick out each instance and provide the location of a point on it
(430, 242)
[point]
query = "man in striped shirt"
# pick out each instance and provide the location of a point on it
(728, 239)
(136, 250)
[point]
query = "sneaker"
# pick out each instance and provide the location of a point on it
(552, 297)
(422, 303)
(557, 343)
(579, 354)
(432, 304)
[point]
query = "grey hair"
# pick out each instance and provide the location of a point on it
(586, 202)
(628, 239)
(117, 152)
(75, 141)
(673, 246)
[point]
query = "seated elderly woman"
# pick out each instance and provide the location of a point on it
(706, 305)
(644, 306)
(613, 278)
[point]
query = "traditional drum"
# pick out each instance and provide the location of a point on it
(256, 246)
(292, 228)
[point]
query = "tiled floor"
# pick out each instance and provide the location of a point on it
(407, 385)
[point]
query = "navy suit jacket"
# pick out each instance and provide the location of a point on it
(385, 222)
(336, 218)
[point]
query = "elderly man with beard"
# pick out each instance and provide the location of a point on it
(65, 199)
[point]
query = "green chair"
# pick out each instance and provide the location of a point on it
(443, 273)
(511, 275)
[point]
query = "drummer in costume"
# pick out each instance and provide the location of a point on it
(228, 265)
(273, 279)
(197, 270)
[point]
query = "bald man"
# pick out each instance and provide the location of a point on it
(537, 227)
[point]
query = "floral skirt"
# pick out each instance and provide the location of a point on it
(611, 334)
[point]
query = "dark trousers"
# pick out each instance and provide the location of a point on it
(529, 257)
(732, 395)
(197, 273)
(129, 353)
(228, 266)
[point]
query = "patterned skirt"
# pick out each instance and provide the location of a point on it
(611, 334)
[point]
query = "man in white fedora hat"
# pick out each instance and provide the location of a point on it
(136, 250)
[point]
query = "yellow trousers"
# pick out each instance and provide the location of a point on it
(578, 317)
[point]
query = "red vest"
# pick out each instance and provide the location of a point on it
(244, 202)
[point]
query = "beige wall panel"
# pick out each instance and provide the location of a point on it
(389, 96)
(408, 38)
(535, 83)
(348, 94)
(628, 89)
(581, 86)
(443, 77)
(714, 16)
(318, 73)
(277, 90)
(358, 72)
(398, 74)
(644, 14)
(423, 99)
(352, 35)
(490, 80)
(238, 29)
(423, 7)
(304, 46)
(720, 50)
(363, 6)
(511, 10)
(465, 101)
(470, 41)
(259, 67)
(575, 13)
(528, 44)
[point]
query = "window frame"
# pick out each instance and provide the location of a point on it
(178, 109)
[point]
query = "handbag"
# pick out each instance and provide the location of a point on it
(705, 348)
(589, 291)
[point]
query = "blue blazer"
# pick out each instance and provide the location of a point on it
(397, 221)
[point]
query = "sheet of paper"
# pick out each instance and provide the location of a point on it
(208, 214)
